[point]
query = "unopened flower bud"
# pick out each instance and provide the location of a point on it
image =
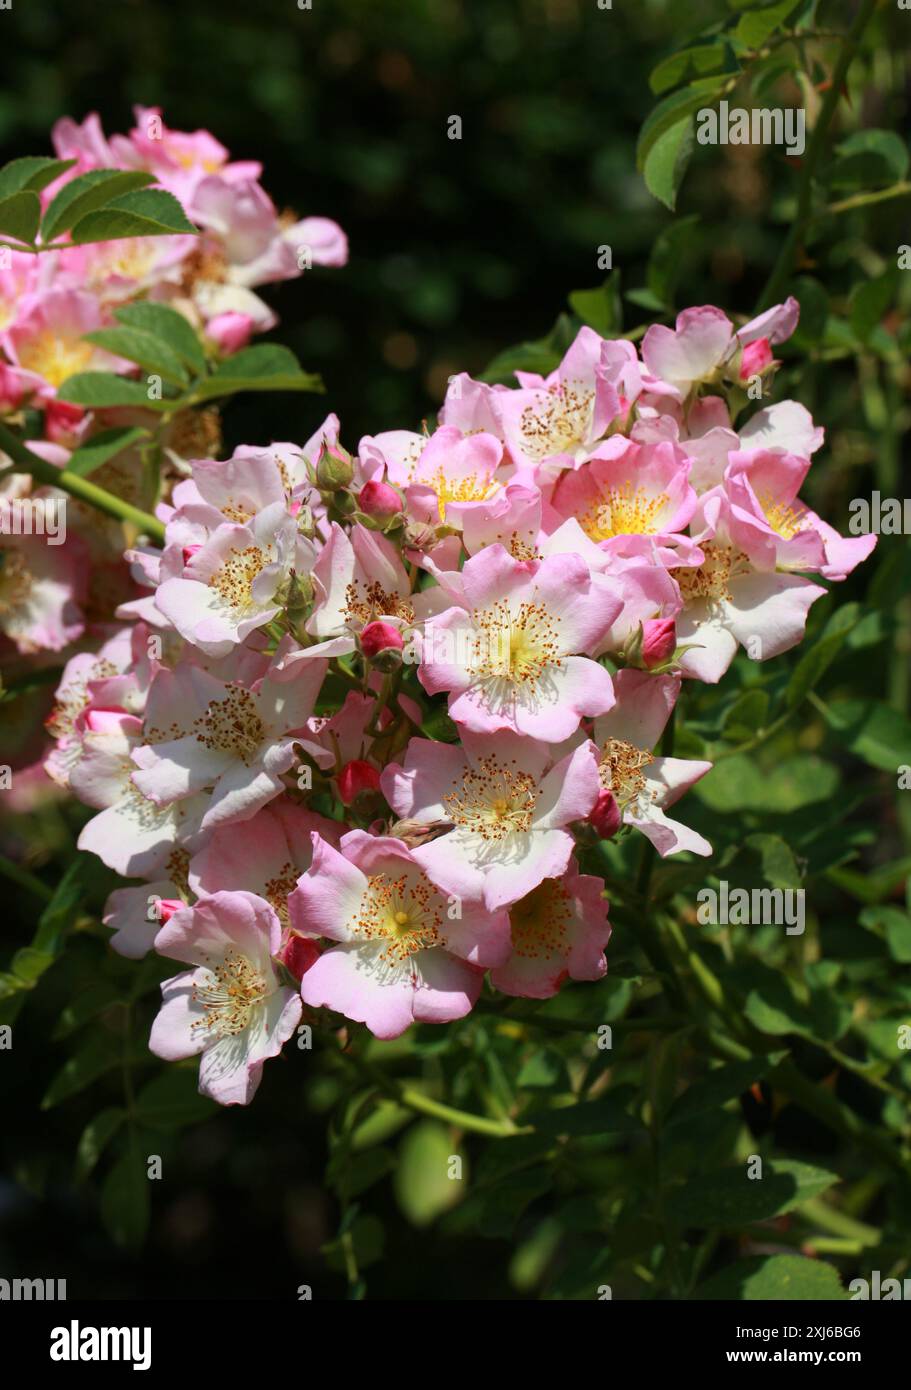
(166, 907)
(659, 641)
(355, 778)
(382, 645)
(298, 954)
(605, 816)
(379, 501)
(230, 331)
(62, 421)
(755, 358)
(334, 468)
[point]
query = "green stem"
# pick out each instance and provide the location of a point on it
(84, 491)
(17, 874)
(862, 200)
(425, 1105)
(785, 263)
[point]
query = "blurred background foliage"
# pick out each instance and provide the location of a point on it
(460, 249)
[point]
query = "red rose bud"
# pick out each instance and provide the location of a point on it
(659, 641)
(62, 421)
(379, 501)
(166, 907)
(334, 468)
(605, 816)
(357, 777)
(298, 954)
(755, 358)
(382, 645)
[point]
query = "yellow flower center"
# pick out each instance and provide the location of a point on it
(493, 800)
(623, 511)
(53, 357)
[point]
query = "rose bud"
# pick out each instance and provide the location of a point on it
(755, 358)
(62, 421)
(166, 907)
(298, 954)
(659, 641)
(382, 645)
(379, 501)
(357, 777)
(334, 468)
(605, 816)
(230, 332)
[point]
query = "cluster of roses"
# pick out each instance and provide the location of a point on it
(552, 562)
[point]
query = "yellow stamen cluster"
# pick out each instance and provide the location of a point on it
(278, 888)
(233, 990)
(53, 357)
(472, 488)
(786, 520)
(620, 768)
(515, 646)
(712, 578)
(364, 603)
(232, 725)
(233, 580)
(557, 424)
(402, 916)
(540, 922)
(493, 800)
(623, 511)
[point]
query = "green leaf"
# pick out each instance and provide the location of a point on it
(814, 311)
(871, 301)
(98, 390)
(729, 1199)
(144, 212)
(758, 25)
(85, 194)
(672, 111)
(895, 924)
(267, 367)
(138, 346)
(99, 1053)
(65, 906)
(766, 1277)
(606, 1115)
(667, 260)
(32, 172)
(172, 1100)
(28, 965)
(814, 664)
(104, 446)
(168, 325)
(95, 1137)
(747, 715)
(541, 356)
(869, 159)
(667, 161)
(351, 1174)
(697, 61)
(543, 1070)
(423, 1187)
(19, 216)
(600, 308)
(125, 1199)
(872, 730)
(725, 1083)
